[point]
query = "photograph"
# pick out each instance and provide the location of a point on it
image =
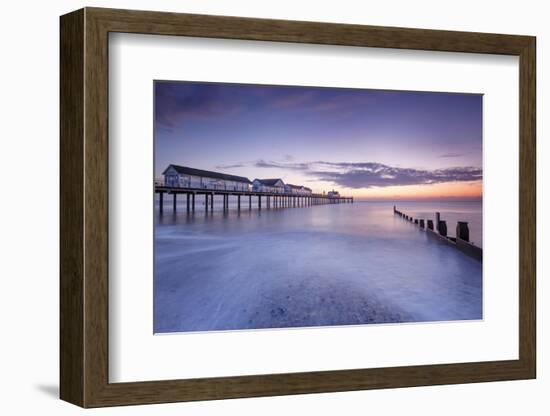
(288, 206)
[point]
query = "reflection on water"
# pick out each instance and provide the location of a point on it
(322, 265)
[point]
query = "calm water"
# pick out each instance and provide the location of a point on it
(300, 267)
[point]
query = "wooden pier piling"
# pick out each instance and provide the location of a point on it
(272, 200)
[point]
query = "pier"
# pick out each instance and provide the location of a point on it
(461, 241)
(248, 199)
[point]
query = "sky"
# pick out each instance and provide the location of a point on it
(370, 144)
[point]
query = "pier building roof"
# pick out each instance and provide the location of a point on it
(269, 182)
(184, 170)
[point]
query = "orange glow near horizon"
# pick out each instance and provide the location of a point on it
(449, 190)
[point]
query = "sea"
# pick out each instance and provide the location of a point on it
(308, 267)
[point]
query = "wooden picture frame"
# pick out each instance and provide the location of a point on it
(84, 207)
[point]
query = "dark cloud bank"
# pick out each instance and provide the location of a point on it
(371, 174)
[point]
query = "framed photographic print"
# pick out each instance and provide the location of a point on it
(260, 207)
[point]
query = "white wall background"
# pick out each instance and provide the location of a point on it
(29, 209)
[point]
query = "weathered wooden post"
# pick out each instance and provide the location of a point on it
(238, 202)
(421, 222)
(193, 201)
(416, 220)
(462, 231)
(161, 202)
(188, 197)
(443, 228)
(394, 209)
(212, 201)
(206, 202)
(430, 225)
(259, 202)
(437, 219)
(174, 207)
(250, 202)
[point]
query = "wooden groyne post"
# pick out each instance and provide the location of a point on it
(461, 241)
(462, 231)
(442, 228)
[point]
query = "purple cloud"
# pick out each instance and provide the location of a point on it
(447, 155)
(372, 174)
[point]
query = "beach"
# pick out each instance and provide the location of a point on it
(349, 264)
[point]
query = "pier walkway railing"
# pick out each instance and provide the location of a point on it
(271, 199)
(461, 241)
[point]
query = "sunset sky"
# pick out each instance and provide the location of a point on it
(370, 144)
